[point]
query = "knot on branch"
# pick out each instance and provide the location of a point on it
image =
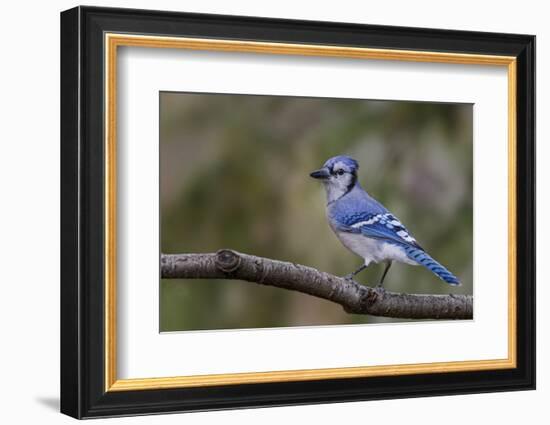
(365, 300)
(371, 296)
(227, 261)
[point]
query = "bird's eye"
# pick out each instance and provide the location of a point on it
(340, 172)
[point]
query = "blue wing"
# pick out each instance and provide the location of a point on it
(379, 226)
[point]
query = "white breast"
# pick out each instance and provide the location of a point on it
(372, 250)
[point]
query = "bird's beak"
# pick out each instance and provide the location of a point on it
(321, 174)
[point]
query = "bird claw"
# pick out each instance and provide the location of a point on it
(350, 279)
(379, 288)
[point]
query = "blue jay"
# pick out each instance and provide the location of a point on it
(365, 226)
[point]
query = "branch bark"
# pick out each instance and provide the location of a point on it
(354, 297)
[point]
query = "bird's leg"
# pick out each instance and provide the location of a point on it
(388, 265)
(359, 270)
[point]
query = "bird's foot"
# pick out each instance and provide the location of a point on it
(349, 276)
(380, 288)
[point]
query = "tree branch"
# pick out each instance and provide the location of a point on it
(354, 297)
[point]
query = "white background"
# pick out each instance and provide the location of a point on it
(29, 175)
(141, 345)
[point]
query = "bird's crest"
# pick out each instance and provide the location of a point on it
(348, 161)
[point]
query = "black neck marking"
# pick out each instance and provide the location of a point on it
(350, 186)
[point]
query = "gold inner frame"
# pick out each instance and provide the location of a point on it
(113, 41)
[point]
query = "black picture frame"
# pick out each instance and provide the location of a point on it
(83, 392)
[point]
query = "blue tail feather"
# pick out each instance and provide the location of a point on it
(422, 258)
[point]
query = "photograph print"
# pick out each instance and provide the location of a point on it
(281, 211)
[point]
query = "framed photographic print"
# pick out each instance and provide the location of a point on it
(261, 212)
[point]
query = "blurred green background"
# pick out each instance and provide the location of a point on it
(235, 174)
